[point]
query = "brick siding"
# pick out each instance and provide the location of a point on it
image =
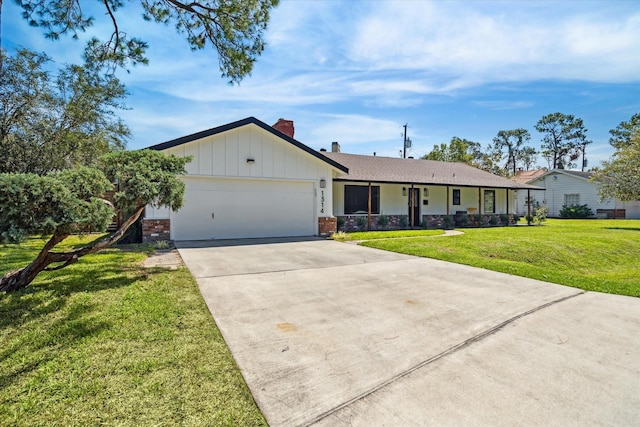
(327, 226)
(154, 230)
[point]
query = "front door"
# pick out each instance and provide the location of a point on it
(413, 203)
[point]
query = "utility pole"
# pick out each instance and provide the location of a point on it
(407, 142)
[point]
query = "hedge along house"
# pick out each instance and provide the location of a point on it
(247, 180)
(384, 192)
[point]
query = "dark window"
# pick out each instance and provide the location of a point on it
(356, 199)
(489, 201)
(456, 197)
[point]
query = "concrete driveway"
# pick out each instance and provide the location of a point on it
(332, 334)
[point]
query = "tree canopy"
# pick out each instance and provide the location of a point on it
(620, 177)
(512, 141)
(54, 122)
(458, 150)
(234, 28)
(565, 138)
(623, 134)
(72, 201)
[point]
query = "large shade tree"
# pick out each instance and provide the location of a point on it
(234, 28)
(53, 122)
(619, 177)
(72, 201)
(564, 139)
(458, 150)
(510, 145)
(623, 134)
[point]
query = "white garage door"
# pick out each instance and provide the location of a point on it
(229, 209)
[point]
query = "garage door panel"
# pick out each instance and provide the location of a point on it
(223, 209)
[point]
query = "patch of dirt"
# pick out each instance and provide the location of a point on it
(165, 259)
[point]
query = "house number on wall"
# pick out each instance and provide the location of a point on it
(321, 201)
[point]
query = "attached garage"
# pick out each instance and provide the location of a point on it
(229, 209)
(247, 180)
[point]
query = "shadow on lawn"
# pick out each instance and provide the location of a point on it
(63, 332)
(623, 228)
(51, 314)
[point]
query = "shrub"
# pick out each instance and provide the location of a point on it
(361, 222)
(540, 214)
(161, 245)
(478, 219)
(448, 221)
(462, 220)
(424, 224)
(529, 219)
(493, 220)
(516, 218)
(383, 220)
(340, 236)
(575, 211)
(504, 219)
(340, 222)
(403, 221)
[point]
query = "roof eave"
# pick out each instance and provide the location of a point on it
(441, 184)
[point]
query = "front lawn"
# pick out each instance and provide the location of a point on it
(386, 234)
(595, 255)
(108, 342)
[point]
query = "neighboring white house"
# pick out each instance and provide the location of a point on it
(567, 187)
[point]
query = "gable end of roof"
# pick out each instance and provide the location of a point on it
(240, 123)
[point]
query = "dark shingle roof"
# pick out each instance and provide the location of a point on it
(418, 171)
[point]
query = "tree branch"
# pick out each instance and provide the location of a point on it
(70, 261)
(100, 244)
(116, 31)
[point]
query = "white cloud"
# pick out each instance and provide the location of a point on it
(483, 41)
(504, 105)
(352, 130)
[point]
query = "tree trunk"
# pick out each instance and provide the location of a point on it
(18, 279)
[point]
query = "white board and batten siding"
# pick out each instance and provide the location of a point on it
(276, 195)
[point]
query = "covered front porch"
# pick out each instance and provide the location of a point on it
(372, 205)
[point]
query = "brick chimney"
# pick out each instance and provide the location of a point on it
(284, 126)
(335, 147)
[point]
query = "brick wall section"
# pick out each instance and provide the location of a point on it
(400, 222)
(327, 226)
(154, 230)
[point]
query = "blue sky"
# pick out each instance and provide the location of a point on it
(356, 71)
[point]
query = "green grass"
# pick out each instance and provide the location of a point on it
(390, 234)
(595, 255)
(108, 342)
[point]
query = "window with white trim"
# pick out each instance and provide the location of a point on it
(572, 199)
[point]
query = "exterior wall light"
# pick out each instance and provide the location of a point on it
(251, 161)
(323, 183)
(404, 191)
